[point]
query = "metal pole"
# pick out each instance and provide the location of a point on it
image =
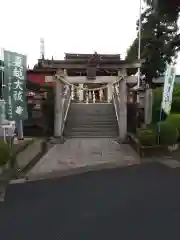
(2, 72)
(139, 47)
(19, 124)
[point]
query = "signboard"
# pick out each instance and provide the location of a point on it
(168, 88)
(14, 92)
(2, 111)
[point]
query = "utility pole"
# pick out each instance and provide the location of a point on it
(139, 49)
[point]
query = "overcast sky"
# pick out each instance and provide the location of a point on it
(81, 26)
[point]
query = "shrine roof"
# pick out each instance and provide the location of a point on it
(77, 56)
(80, 62)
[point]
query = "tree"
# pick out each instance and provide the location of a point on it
(165, 8)
(159, 46)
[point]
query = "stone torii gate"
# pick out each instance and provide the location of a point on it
(120, 92)
(107, 68)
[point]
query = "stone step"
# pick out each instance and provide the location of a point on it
(92, 105)
(92, 134)
(82, 114)
(93, 114)
(88, 136)
(87, 109)
(91, 125)
(92, 121)
(75, 129)
(98, 110)
(92, 130)
(98, 126)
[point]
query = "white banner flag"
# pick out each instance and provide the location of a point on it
(168, 88)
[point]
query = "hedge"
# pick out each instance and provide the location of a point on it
(147, 136)
(174, 119)
(157, 98)
(5, 153)
(168, 133)
(175, 108)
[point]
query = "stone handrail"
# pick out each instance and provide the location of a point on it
(66, 101)
(116, 102)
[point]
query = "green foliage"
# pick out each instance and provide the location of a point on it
(168, 133)
(175, 108)
(165, 8)
(157, 98)
(5, 153)
(146, 137)
(174, 119)
(159, 42)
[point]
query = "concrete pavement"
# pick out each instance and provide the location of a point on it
(137, 202)
(84, 154)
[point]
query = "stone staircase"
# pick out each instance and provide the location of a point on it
(91, 120)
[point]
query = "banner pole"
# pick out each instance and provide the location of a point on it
(20, 129)
(2, 72)
(159, 127)
(139, 48)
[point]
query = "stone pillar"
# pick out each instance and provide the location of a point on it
(123, 109)
(148, 106)
(58, 108)
(81, 93)
(109, 92)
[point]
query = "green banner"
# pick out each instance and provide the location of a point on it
(168, 88)
(14, 92)
(2, 111)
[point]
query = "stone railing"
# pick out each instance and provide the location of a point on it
(116, 101)
(66, 101)
(62, 104)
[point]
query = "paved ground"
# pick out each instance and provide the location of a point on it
(137, 202)
(25, 157)
(76, 153)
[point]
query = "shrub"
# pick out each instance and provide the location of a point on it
(157, 98)
(175, 108)
(168, 133)
(4, 153)
(147, 136)
(174, 119)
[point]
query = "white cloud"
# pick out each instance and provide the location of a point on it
(68, 26)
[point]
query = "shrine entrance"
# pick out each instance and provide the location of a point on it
(91, 93)
(89, 78)
(97, 92)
